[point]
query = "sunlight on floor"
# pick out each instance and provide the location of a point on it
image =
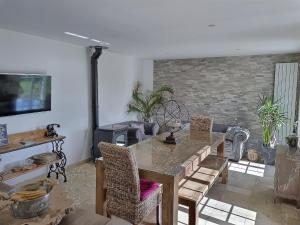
(213, 212)
(206, 222)
(246, 167)
(183, 216)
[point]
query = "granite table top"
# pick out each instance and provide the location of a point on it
(156, 156)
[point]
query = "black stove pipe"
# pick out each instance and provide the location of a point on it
(94, 69)
(97, 51)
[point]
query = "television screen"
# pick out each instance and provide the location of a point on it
(24, 94)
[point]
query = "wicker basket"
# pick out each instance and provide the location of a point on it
(252, 155)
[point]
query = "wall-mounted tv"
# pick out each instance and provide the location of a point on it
(24, 93)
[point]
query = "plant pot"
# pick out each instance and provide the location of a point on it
(268, 155)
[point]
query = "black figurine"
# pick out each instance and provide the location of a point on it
(51, 132)
(170, 139)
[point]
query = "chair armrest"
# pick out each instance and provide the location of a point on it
(241, 136)
(238, 144)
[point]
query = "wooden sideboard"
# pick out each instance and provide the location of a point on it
(287, 174)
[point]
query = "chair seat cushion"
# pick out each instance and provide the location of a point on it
(147, 188)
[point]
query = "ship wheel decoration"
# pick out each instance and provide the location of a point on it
(170, 115)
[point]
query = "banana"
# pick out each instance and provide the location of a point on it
(28, 195)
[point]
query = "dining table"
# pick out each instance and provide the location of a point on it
(163, 163)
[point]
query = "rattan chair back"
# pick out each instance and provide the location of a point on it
(201, 124)
(121, 172)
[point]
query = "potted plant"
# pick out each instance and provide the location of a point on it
(271, 118)
(145, 103)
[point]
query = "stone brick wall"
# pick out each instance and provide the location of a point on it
(226, 88)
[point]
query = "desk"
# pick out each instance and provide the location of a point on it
(163, 163)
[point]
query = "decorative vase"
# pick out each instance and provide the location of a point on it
(170, 139)
(292, 141)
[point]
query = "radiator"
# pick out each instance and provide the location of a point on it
(285, 89)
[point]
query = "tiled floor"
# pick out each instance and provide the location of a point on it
(246, 200)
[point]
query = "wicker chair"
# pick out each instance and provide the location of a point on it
(201, 124)
(128, 196)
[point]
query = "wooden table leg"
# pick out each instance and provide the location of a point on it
(225, 175)
(220, 149)
(100, 190)
(220, 152)
(170, 202)
(169, 195)
(193, 213)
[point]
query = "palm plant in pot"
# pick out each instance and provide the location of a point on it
(271, 118)
(145, 103)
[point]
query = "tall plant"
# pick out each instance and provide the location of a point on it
(145, 104)
(270, 116)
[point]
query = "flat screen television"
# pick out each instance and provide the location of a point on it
(24, 93)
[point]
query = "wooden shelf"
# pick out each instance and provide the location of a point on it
(34, 138)
(10, 175)
(30, 139)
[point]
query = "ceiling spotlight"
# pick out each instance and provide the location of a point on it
(76, 35)
(95, 40)
(211, 25)
(100, 42)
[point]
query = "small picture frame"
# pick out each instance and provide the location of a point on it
(3, 135)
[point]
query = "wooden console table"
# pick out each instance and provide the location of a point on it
(30, 139)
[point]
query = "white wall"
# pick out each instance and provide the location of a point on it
(117, 76)
(147, 74)
(67, 64)
(69, 67)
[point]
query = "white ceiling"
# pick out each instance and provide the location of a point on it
(163, 28)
